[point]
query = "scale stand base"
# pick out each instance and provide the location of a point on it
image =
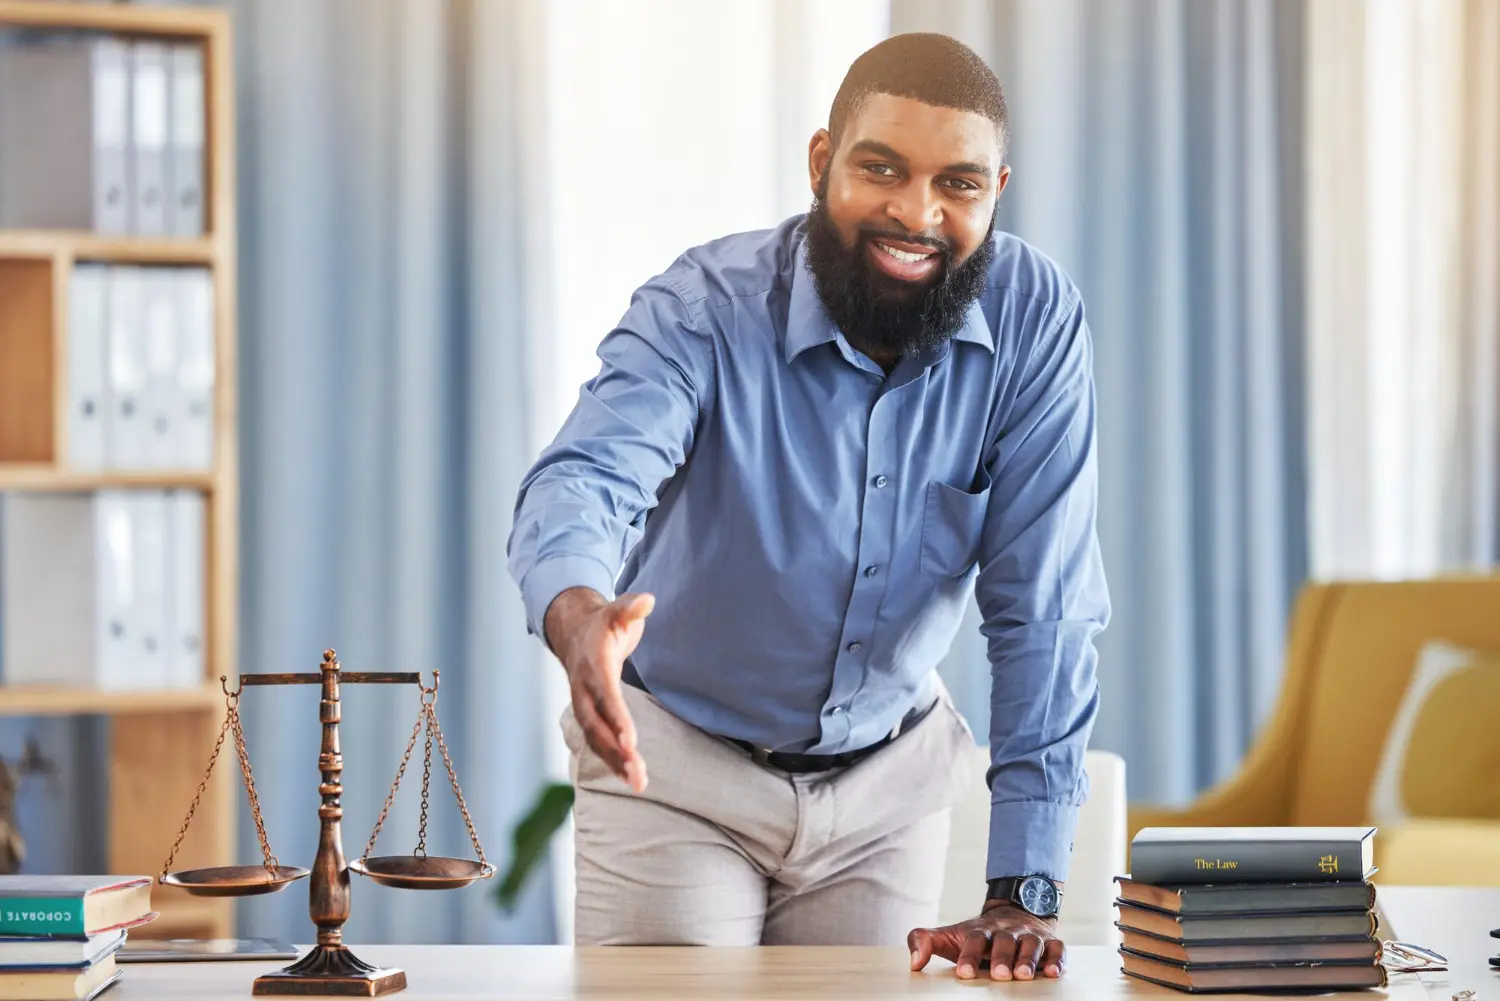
(331, 970)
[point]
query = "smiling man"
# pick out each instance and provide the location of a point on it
(806, 450)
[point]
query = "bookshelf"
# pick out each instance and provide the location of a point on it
(159, 741)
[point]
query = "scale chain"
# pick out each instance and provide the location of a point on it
(421, 851)
(260, 824)
(197, 796)
(426, 717)
(453, 777)
(390, 797)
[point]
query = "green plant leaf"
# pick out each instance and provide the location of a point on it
(530, 839)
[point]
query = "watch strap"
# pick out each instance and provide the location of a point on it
(1003, 888)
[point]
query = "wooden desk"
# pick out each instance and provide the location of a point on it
(1454, 922)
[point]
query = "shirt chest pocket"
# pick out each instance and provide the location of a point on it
(952, 526)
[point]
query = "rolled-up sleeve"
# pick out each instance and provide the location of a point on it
(582, 505)
(1043, 597)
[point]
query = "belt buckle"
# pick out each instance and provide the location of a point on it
(761, 756)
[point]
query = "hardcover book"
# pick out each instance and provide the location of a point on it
(65, 984)
(1247, 898)
(1364, 950)
(78, 906)
(1331, 977)
(49, 952)
(1219, 928)
(1171, 855)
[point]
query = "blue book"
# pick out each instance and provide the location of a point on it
(36, 952)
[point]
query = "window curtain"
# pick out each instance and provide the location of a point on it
(384, 422)
(1157, 149)
(1404, 262)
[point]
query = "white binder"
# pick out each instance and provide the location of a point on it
(187, 610)
(148, 511)
(185, 160)
(196, 371)
(160, 341)
(116, 631)
(49, 579)
(124, 426)
(87, 403)
(111, 181)
(149, 113)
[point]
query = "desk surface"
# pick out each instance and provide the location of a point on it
(1453, 921)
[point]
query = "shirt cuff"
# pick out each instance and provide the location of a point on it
(1031, 837)
(548, 579)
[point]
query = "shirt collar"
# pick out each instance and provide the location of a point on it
(808, 323)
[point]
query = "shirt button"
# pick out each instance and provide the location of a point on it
(838, 710)
(871, 570)
(853, 647)
(881, 481)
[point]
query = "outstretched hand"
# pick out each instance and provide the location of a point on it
(592, 637)
(1011, 942)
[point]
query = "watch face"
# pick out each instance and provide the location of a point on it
(1038, 895)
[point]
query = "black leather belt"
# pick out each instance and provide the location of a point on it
(790, 761)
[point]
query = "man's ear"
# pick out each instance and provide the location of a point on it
(1001, 180)
(819, 155)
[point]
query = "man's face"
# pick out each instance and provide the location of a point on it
(898, 237)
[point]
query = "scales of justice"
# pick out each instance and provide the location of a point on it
(330, 968)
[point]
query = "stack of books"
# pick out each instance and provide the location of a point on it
(59, 934)
(1251, 909)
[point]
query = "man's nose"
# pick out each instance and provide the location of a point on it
(916, 208)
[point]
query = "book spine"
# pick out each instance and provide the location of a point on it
(32, 916)
(1246, 862)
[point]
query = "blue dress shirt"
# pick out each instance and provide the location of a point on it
(812, 527)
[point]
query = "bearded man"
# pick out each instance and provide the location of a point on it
(804, 451)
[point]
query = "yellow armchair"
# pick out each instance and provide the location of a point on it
(1351, 649)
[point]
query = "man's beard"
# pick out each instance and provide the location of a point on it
(880, 315)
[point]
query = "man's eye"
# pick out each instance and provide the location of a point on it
(883, 169)
(960, 184)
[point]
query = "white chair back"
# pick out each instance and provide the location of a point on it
(1099, 845)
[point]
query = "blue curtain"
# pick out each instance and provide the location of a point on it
(383, 423)
(1157, 155)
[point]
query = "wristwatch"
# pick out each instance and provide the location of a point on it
(1034, 894)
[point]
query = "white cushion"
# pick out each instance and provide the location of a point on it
(1435, 661)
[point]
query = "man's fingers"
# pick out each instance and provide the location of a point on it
(1028, 949)
(604, 737)
(920, 944)
(972, 953)
(1052, 958)
(609, 700)
(629, 608)
(1002, 955)
(942, 942)
(635, 773)
(600, 736)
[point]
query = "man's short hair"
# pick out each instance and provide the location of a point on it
(931, 68)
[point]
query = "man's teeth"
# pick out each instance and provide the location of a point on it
(902, 255)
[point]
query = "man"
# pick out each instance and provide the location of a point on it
(805, 448)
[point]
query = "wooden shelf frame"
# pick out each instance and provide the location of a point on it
(159, 741)
(46, 477)
(125, 19)
(63, 247)
(29, 700)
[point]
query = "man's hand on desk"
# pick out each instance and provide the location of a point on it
(1014, 943)
(592, 637)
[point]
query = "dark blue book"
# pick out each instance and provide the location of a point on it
(1177, 855)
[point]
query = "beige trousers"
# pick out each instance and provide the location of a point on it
(720, 850)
